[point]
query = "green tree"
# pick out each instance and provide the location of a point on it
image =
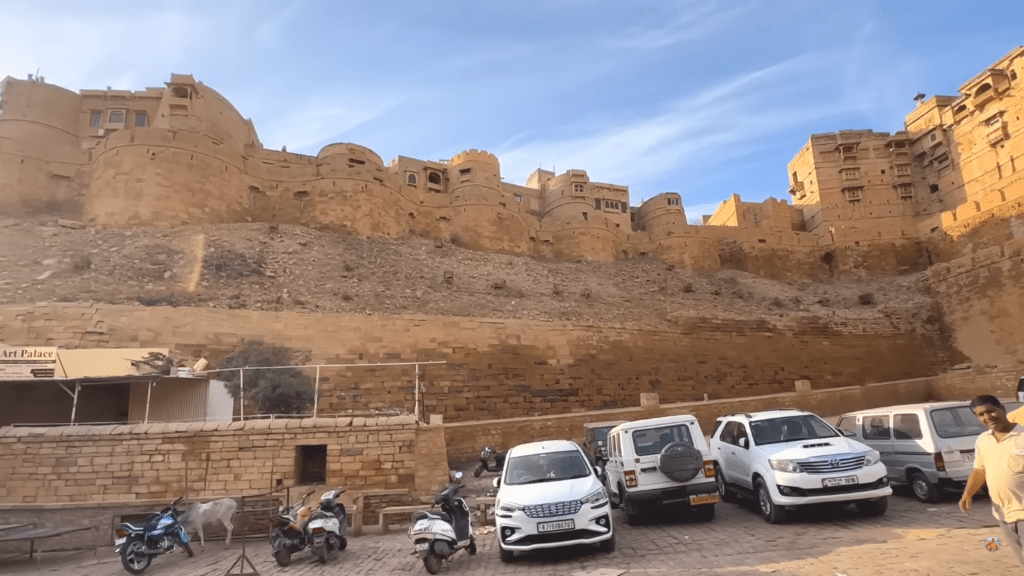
(278, 391)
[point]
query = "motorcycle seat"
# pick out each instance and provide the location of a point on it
(416, 517)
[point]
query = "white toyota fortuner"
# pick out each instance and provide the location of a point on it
(787, 458)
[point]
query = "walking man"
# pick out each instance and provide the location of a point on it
(999, 464)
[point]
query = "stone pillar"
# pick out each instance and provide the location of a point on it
(649, 400)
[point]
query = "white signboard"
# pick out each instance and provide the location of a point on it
(27, 362)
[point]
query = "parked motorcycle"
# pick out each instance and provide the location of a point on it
(490, 461)
(436, 537)
(289, 535)
(158, 534)
(328, 526)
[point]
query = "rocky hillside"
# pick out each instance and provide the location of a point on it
(265, 267)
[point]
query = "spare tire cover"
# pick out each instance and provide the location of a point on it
(680, 461)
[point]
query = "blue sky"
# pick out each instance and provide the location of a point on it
(706, 99)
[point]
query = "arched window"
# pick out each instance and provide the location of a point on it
(982, 89)
(116, 117)
(410, 178)
(434, 178)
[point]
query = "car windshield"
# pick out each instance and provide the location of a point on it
(956, 422)
(790, 429)
(653, 440)
(546, 467)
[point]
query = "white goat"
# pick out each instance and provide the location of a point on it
(198, 515)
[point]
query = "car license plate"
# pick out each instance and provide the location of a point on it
(969, 457)
(697, 499)
(556, 526)
(841, 481)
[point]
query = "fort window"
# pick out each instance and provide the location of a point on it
(518, 198)
(578, 187)
(933, 137)
(1013, 74)
(933, 188)
(356, 161)
(178, 109)
(434, 178)
(116, 117)
(95, 117)
(465, 172)
(410, 178)
(982, 89)
(624, 207)
(301, 195)
(597, 203)
(311, 464)
(140, 119)
(883, 171)
(960, 109)
(586, 216)
(180, 92)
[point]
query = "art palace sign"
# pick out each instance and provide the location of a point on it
(27, 362)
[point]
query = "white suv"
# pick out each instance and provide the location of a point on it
(661, 461)
(550, 496)
(787, 458)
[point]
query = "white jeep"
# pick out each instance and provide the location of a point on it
(786, 458)
(661, 461)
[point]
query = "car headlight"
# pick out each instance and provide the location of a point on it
(596, 499)
(786, 466)
(509, 507)
(871, 458)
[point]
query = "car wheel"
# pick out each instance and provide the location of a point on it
(507, 556)
(609, 544)
(873, 507)
(924, 490)
(632, 514)
(615, 497)
(726, 494)
(704, 512)
(770, 511)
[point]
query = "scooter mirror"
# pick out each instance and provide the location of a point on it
(496, 482)
(458, 475)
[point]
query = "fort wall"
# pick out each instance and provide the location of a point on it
(512, 368)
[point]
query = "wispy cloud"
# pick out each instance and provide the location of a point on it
(685, 24)
(317, 120)
(721, 122)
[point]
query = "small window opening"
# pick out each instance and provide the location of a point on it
(518, 198)
(140, 119)
(1013, 74)
(180, 92)
(933, 188)
(301, 195)
(410, 178)
(434, 178)
(95, 117)
(465, 171)
(586, 216)
(597, 203)
(624, 207)
(311, 464)
(356, 161)
(116, 117)
(578, 188)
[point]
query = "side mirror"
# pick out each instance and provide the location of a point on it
(496, 482)
(744, 443)
(598, 470)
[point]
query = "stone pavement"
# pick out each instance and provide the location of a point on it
(911, 539)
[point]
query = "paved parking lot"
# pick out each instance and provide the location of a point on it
(911, 539)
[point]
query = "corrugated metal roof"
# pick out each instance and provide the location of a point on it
(103, 362)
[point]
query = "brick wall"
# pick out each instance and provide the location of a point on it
(164, 461)
(464, 440)
(511, 368)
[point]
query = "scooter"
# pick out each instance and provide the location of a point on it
(289, 534)
(486, 456)
(159, 534)
(436, 537)
(328, 526)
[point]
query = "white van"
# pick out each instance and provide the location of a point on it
(929, 446)
(661, 461)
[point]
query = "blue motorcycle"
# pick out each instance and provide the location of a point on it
(158, 534)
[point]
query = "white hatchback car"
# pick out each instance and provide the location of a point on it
(550, 496)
